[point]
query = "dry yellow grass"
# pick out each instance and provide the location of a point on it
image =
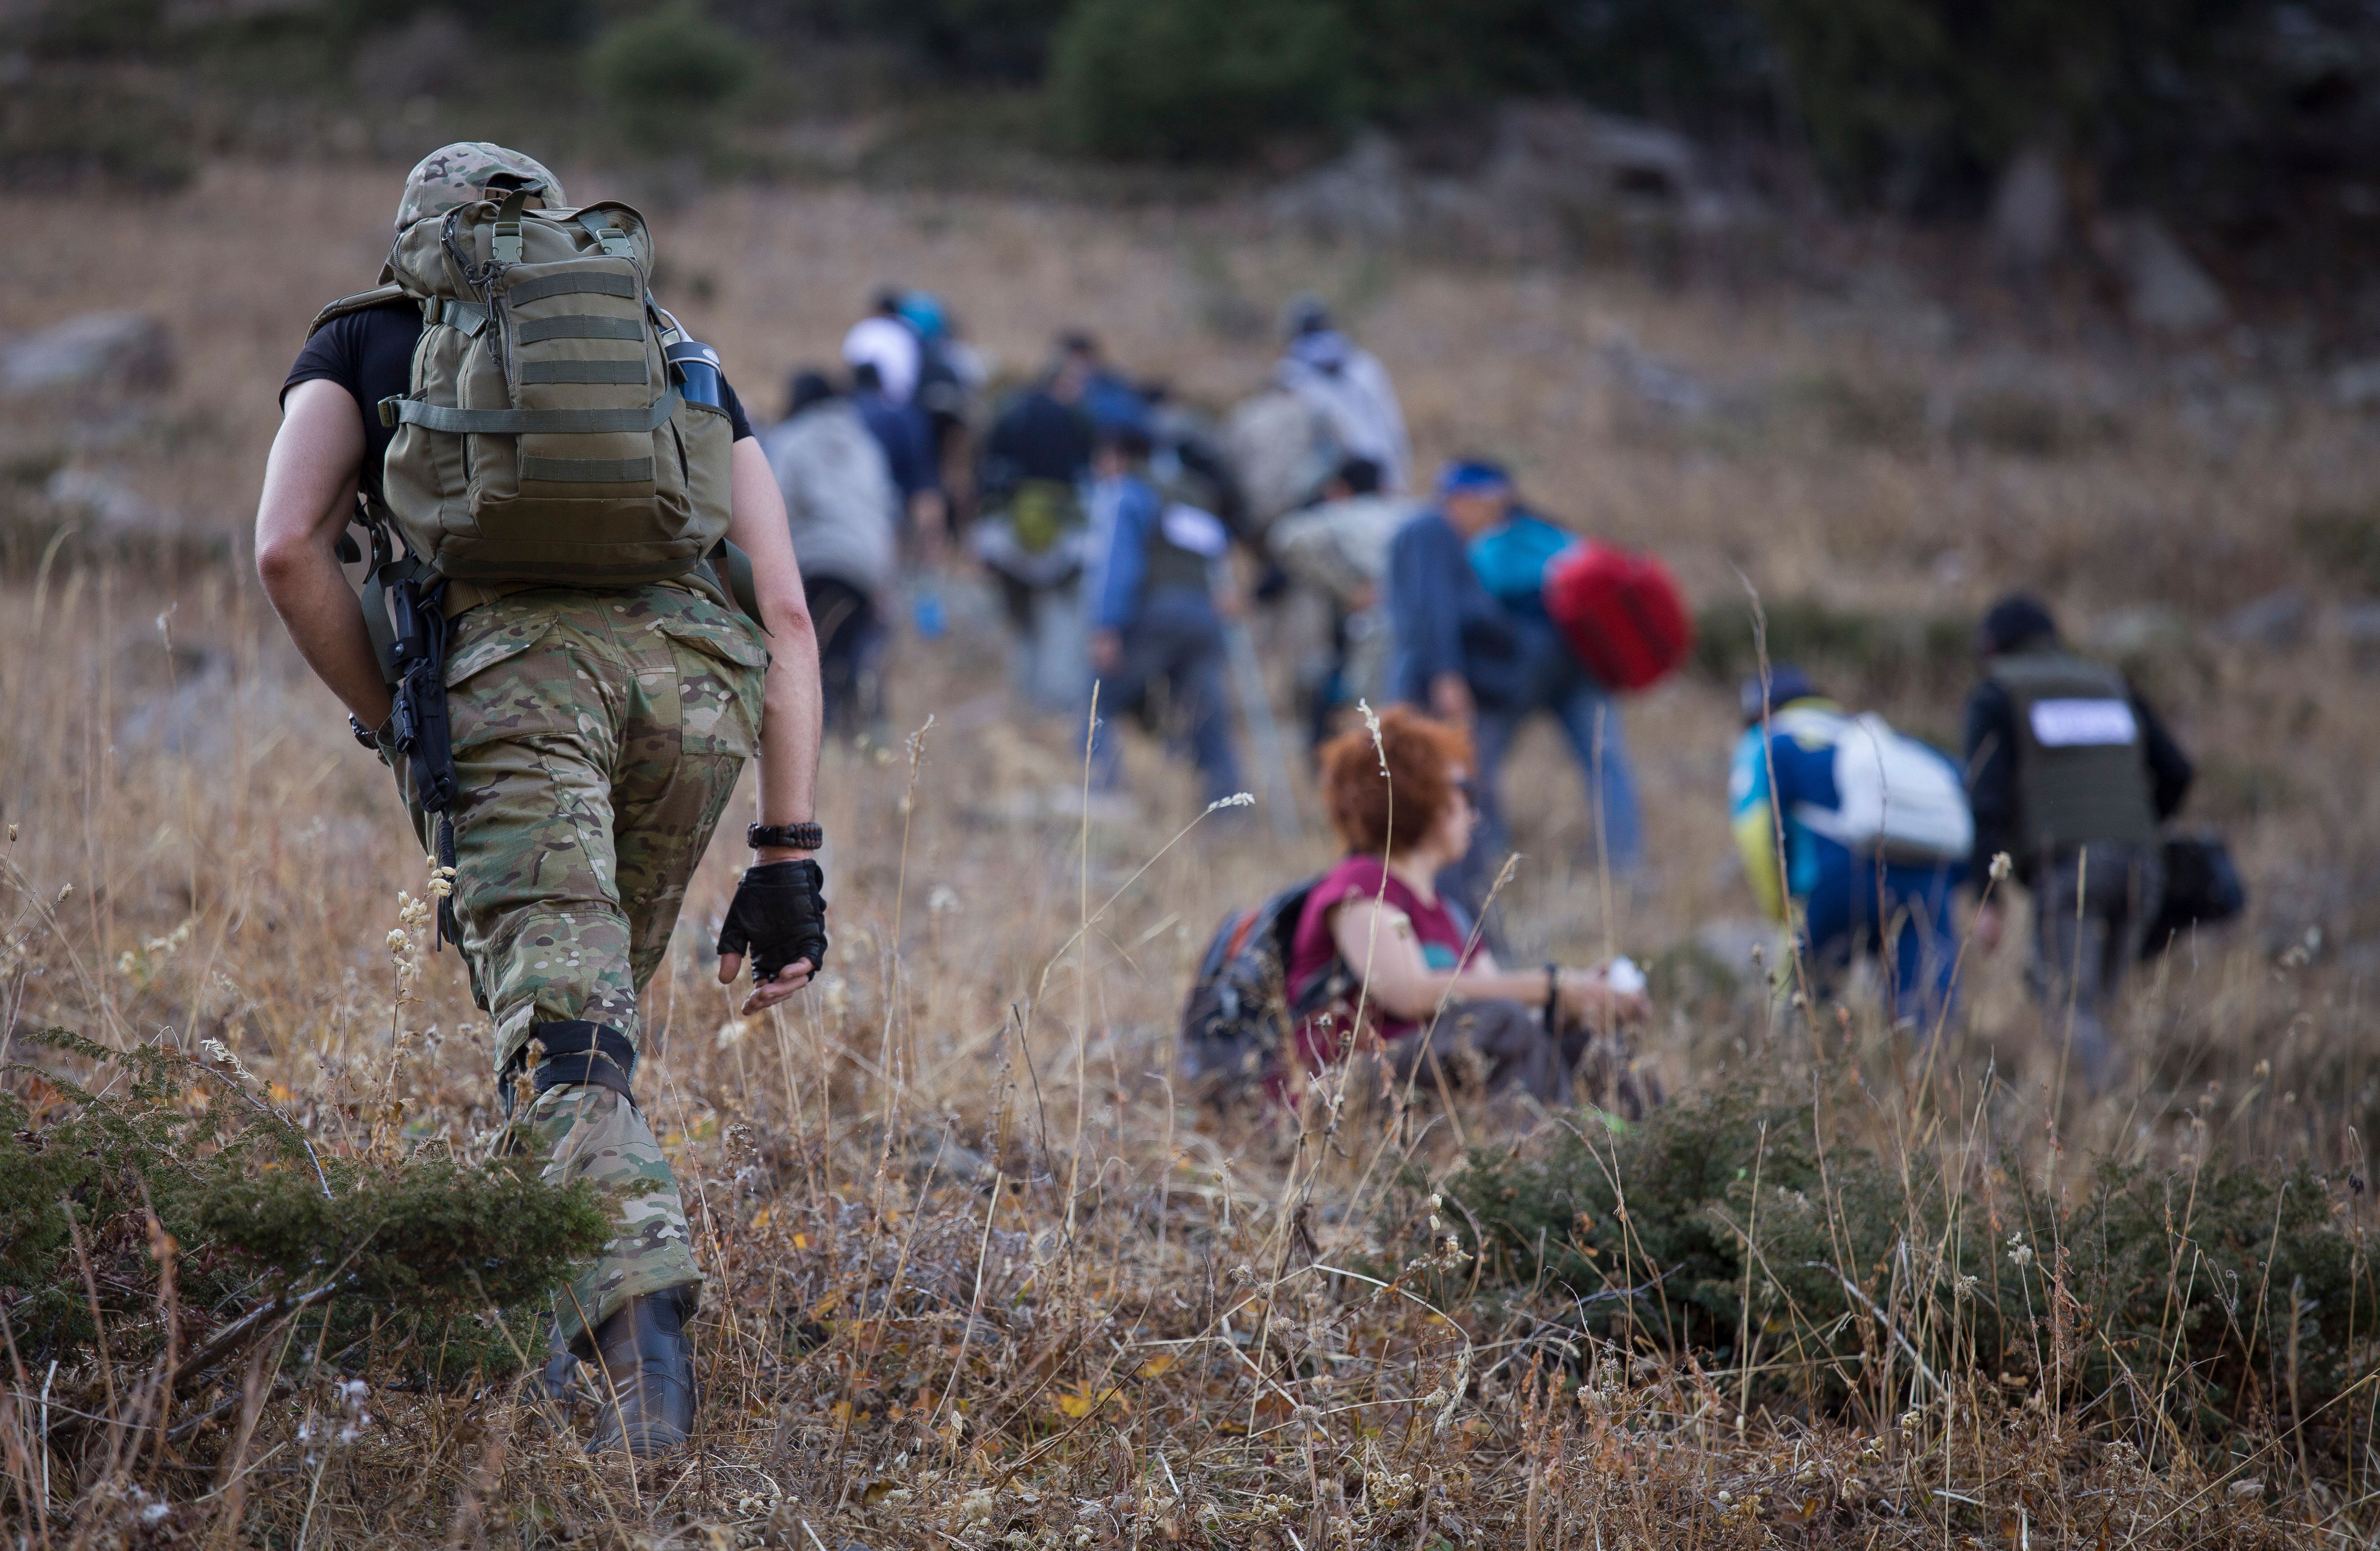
(194, 845)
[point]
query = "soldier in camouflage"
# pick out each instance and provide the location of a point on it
(597, 738)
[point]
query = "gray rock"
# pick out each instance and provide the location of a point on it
(2278, 621)
(1657, 382)
(2356, 385)
(111, 353)
(2166, 291)
(2357, 626)
(1360, 196)
(2028, 219)
(2151, 630)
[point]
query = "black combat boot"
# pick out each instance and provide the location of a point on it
(647, 1363)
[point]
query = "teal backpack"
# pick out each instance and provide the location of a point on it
(1510, 559)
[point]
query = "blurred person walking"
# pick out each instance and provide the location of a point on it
(1347, 388)
(1339, 547)
(906, 440)
(2070, 774)
(1853, 835)
(887, 342)
(1036, 465)
(843, 509)
(1471, 660)
(1157, 644)
(565, 748)
(1402, 806)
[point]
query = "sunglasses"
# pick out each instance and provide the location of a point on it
(1468, 788)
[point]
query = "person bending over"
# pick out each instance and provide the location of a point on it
(1434, 998)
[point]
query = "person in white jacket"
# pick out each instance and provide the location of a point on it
(844, 510)
(1349, 389)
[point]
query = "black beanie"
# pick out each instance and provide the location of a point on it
(2016, 619)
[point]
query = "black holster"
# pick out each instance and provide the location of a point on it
(419, 729)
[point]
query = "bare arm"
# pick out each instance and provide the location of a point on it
(790, 722)
(309, 492)
(1403, 985)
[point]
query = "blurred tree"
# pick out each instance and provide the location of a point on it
(1697, 61)
(668, 74)
(1912, 103)
(1200, 79)
(510, 21)
(999, 41)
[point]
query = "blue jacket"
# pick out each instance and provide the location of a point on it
(1446, 621)
(901, 429)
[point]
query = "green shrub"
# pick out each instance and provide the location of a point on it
(2207, 1281)
(1851, 653)
(2344, 541)
(668, 74)
(1199, 80)
(431, 1247)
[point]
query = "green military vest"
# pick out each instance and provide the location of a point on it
(2082, 763)
(1173, 564)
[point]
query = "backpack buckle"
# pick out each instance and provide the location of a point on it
(388, 412)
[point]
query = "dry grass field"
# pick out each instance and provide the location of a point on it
(978, 1277)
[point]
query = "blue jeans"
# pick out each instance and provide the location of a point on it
(1853, 910)
(1175, 650)
(1590, 719)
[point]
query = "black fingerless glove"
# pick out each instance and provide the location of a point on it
(778, 916)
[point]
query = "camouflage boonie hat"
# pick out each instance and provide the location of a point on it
(454, 175)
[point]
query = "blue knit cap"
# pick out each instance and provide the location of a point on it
(1473, 476)
(1786, 684)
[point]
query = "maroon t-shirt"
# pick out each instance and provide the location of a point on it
(1441, 933)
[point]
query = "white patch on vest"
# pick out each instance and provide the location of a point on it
(1187, 527)
(2084, 723)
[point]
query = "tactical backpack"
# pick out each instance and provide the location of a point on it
(540, 440)
(1242, 1011)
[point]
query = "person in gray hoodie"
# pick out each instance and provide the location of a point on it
(845, 511)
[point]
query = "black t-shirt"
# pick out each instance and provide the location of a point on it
(369, 353)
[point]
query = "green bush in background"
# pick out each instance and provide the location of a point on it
(1199, 80)
(669, 75)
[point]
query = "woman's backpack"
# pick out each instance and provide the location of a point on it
(1621, 613)
(1242, 1011)
(540, 438)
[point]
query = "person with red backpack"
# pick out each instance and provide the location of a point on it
(1478, 649)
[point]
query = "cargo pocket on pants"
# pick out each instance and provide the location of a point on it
(722, 673)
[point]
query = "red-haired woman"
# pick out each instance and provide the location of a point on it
(1407, 955)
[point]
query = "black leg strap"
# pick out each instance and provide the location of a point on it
(577, 1052)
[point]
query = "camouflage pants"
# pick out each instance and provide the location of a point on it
(598, 737)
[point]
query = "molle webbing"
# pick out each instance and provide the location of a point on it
(599, 283)
(581, 327)
(630, 372)
(587, 472)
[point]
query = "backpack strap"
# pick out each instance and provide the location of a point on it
(732, 567)
(396, 411)
(614, 241)
(379, 295)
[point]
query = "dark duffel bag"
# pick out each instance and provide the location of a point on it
(2201, 886)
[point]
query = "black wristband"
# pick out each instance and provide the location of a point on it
(791, 837)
